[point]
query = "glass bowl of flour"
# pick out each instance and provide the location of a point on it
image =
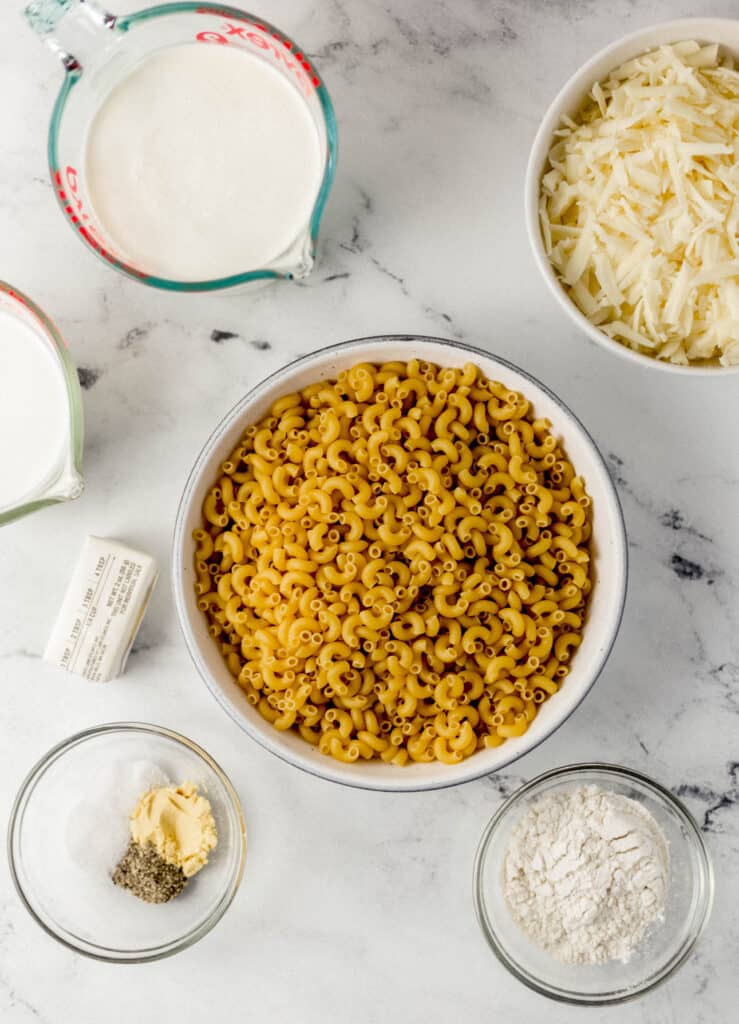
(592, 884)
(69, 828)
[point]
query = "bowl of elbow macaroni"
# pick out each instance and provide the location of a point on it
(399, 563)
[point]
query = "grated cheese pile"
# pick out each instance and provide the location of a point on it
(639, 206)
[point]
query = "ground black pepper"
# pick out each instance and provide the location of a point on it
(147, 875)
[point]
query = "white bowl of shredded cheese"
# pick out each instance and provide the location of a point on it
(632, 196)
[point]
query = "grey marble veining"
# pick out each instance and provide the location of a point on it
(357, 905)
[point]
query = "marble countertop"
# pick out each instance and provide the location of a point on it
(357, 905)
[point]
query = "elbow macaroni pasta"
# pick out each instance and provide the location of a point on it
(396, 564)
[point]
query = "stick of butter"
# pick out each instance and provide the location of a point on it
(102, 610)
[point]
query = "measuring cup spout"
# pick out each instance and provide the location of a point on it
(68, 487)
(297, 261)
(72, 29)
(305, 252)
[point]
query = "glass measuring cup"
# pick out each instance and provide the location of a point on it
(62, 481)
(99, 49)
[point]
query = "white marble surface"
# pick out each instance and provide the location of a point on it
(357, 906)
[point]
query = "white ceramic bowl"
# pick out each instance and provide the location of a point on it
(707, 30)
(610, 563)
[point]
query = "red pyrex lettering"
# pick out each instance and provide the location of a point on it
(81, 220)
(256, 35)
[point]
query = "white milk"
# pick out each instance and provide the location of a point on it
(34, 413)
(204, 162)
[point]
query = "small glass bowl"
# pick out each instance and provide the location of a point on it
(78, 905)
(666, 946)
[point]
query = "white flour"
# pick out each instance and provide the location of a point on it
(586, 873)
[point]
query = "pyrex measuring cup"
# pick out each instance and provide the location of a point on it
(98, 50)
(59, 458)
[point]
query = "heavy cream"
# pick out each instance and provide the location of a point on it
(203, 163)
(34, 413)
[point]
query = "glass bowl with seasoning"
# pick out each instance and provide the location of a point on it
(127, 842)
(592, 884)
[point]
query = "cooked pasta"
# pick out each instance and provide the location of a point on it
(396, 564)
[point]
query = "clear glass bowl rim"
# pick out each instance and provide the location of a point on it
(620, 773)
(25, 792)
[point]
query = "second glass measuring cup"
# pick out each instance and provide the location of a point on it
(41, 427)
(192, 146)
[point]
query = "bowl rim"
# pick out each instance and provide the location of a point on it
(331, 773)
(532, 182)
(572, 772)
(92, 950)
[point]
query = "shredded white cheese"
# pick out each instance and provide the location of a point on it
(639, 205)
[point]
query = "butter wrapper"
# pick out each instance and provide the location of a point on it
(102, 610)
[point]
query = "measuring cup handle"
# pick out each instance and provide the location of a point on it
(72, 29)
